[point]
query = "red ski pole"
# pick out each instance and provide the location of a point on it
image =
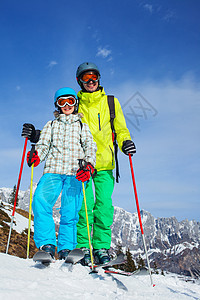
(16, 194)
(139, 216)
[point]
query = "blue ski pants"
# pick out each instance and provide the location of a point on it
(46, 195)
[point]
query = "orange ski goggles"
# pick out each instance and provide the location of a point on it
(68, 100)
(86, 78)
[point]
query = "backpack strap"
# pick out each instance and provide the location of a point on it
(81, 124)
(111, 105)
(52, 131)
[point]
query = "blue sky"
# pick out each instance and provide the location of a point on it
(148, 55)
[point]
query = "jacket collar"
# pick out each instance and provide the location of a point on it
(91, 97)
(69, 119)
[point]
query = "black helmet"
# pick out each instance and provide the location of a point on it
(87, 66)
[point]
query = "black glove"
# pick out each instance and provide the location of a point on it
(28, 131)
(128, 147)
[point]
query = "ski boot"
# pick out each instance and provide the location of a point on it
(62, 254)
(49, 249)
(101, 256)
(86, 260)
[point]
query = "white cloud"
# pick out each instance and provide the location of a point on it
(52, 64)
(169, 16)
(148, 7)
(104, 52)
(95, 35)
(110, 58)
(165, 15)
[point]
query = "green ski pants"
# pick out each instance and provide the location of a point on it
(100, 212)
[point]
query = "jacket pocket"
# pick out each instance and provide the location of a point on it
(112, 155)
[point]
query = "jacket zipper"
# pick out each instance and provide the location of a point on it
(99, 121)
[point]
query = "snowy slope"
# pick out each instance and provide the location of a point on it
(167, 240)
(20, 222)
(22, 279)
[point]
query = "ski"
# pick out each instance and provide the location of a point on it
(74, 256)
(118, 260)
(44, 257)
(142, 271)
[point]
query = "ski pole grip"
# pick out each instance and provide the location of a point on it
(31, 155)
(80, 162)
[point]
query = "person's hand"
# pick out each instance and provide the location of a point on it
(35, 159)
(28, 131)
(128, 147)
(84, 173)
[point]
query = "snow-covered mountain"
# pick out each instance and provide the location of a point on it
(162, 233)
(5, 194)
(173, 246)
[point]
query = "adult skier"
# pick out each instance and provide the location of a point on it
(93, 104)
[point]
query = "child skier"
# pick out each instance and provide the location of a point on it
(62, 143)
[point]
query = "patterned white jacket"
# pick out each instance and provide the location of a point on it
(63, 141)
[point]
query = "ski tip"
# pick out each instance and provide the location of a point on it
(77, 250)
(93, 271)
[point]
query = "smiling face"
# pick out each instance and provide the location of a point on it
(91, 85)
(67, 110)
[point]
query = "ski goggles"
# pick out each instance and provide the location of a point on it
(62, 101)
(86, 78)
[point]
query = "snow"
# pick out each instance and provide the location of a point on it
(20, 222)
(23, 279)
(181, 247)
